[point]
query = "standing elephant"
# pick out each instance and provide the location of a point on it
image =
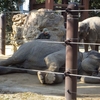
(89, 31)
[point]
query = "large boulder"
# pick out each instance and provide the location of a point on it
(35, 22)
(18, 24)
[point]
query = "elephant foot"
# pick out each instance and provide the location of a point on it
(41, 77)
(49, 78)
(46, 78)
(91, 80)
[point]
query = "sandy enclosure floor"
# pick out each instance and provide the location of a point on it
(23, 86)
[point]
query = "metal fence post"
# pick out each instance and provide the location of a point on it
(49, 4)
(71, 52)
(2, 33)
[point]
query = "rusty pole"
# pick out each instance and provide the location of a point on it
(85, 14)
(71, 52)
(49, 4)
(2, 33)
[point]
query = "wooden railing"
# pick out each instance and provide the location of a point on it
(49, 4)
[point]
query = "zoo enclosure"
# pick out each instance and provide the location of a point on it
(72, 33)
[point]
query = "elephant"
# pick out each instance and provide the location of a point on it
(37, 55)
(89, 31)
(46, 56)
(91, 66)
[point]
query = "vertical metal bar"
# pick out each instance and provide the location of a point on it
(71, 52)
(63, 13)
(2, 34)
(49, 4)
(31, 3)
(64, 1)
(85, 14)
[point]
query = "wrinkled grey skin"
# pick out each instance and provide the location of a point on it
(49, 57)
(37, 55)
(91, 65)
(31, 55)
(89, 31)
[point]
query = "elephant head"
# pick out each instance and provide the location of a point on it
(83, 30)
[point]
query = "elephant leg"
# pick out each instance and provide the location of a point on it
(86, 48)
(6, 62)
(91, 67)
(11, 61)
(7, 70)
(49, 78)
(54, 62)
(91, 80)
(96, 47)
(92, 47)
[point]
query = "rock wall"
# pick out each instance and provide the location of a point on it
(18, 24)
(28, 27)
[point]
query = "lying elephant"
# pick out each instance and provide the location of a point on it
(42, 56)
(37, 55)
(89, 31)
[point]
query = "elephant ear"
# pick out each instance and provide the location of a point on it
(83, 27)
(83, 30)
(86, 28)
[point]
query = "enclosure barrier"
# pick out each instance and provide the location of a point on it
(2, 33)
(71, 52)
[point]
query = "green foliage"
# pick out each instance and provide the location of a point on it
(59, 1)
(40, 1)
(7, 5)
(94, 4)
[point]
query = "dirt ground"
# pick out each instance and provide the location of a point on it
(23, 86)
